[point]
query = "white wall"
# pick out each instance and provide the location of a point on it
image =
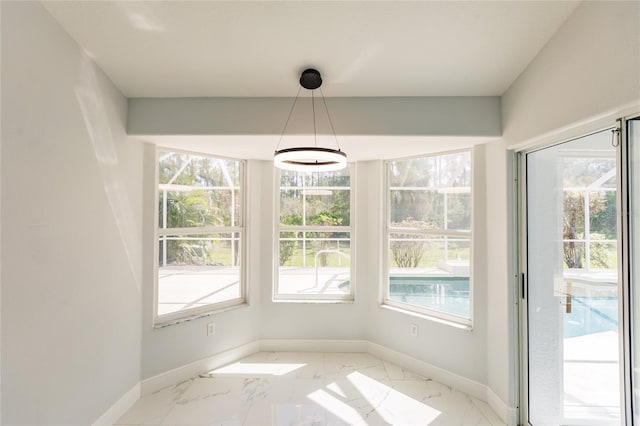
(586, 76)
(71, 229)
(501, 291)
(588, 72)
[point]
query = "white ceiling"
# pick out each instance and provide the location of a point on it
(362, 48)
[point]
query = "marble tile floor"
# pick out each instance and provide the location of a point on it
(309, 388)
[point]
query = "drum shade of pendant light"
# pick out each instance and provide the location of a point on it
(310, 158)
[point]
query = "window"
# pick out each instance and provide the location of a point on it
(200, 234)
(428, 238)
(314, 236)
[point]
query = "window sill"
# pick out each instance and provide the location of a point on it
(315, 301)
(188, 318)
(427, 317)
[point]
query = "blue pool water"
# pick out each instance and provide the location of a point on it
(451, 295)
(445, 294)
(591, 315)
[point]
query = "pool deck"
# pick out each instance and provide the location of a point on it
(592, 379)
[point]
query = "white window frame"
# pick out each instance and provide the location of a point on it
(331, 298)
(409, 308)
(192, 313)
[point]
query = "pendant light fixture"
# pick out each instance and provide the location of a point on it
(310, 158)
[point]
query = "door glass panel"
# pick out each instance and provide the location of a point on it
(633, 130)
(572, 293)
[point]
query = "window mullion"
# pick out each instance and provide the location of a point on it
(295, 228)
(200, 230)
(438, 232)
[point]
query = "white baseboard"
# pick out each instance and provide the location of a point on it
(180, 374)
(300, 345)
(120, 407)
(441, 375)
(508, 414)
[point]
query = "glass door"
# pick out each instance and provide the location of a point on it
(572, 284)
(633, 145)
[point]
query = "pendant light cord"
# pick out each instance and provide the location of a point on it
(313, 111)
(313, 107)
(288, 118)
(329, 117)
(310, 158)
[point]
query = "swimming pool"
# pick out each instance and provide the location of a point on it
(451, 295)
(591, 315)
(445, 294)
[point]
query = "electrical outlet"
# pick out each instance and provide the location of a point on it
(211, 329)
(413, 330)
